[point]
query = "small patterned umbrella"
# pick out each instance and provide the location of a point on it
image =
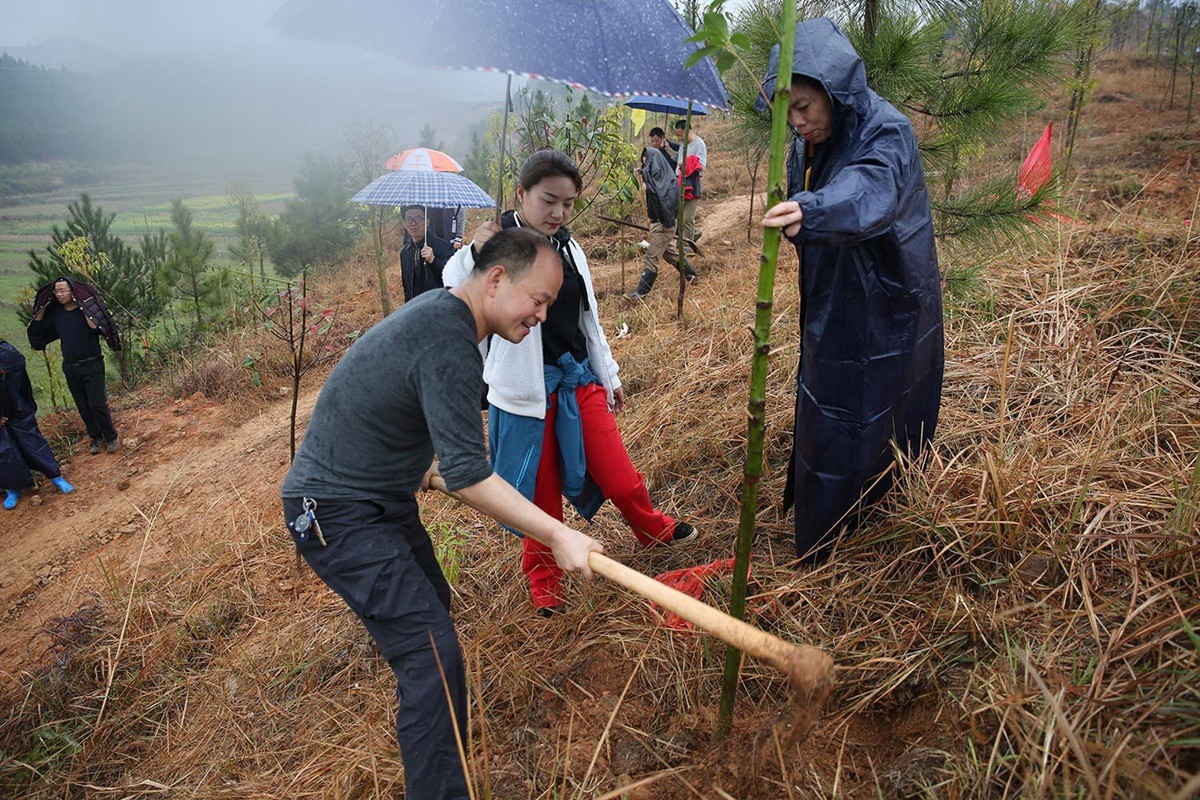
(413, 187)
(664, 105)
(423, 158)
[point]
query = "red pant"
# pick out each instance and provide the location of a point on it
(609, 465)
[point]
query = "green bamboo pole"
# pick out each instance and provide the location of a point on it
(758, 365)
(682, 255)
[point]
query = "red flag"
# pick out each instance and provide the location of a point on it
(690, 581)
(1035, 172)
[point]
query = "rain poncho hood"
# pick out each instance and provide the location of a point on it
(871, 356)
(823, 53)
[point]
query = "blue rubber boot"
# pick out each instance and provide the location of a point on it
(10, 500)
(62, 484)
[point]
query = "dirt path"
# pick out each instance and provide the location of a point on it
(179, 464)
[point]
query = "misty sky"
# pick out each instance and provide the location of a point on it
(216, 28)
(212, 82)
(144, 24)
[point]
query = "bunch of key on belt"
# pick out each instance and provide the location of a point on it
(308, 521)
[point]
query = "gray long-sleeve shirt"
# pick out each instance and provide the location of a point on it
(408, 388)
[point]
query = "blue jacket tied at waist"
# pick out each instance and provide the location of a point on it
(516, 441)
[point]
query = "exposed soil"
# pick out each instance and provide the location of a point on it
(181, 464)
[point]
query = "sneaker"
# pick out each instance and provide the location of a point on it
(685, 533)
(10, 500)
(62, 484)
(113, 445)
(95, 447)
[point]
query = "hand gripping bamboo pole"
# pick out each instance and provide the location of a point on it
(809, 670)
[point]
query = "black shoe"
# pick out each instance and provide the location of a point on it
(685, 533)
(547, 611)
(113, 445)
(690, 273)
(645, 284)
(95, 448)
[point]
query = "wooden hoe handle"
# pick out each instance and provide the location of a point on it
(808, 669)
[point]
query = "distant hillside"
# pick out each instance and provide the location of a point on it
(48, 114)
(62, 53)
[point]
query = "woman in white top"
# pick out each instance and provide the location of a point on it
(551, 397)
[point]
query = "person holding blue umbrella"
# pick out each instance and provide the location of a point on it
(692, 172)
(662, 208)
(552, 395)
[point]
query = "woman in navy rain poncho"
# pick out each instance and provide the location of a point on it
(871, 352)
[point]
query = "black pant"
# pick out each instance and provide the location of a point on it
(33, 447)
(379, 559)
(85, 379)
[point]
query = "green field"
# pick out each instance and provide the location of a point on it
(141, 199)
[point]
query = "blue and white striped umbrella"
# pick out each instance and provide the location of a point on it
(423, 188)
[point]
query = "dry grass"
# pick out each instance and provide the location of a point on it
(1017, 619)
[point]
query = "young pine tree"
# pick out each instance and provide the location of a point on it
(187, 270)
(319, 227)
(962, 70)
(368, 147)
(127, 282)
(256, 229)
(428, 138)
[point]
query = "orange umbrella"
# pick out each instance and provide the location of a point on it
(424, 159)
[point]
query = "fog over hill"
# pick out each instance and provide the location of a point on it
(213, 87)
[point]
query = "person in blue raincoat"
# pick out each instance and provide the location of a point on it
(871, 355)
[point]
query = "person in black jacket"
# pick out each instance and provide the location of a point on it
(72, 312)
(662, 206)
(423, 256)
(22, 445)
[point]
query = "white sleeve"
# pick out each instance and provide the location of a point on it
(458, 267)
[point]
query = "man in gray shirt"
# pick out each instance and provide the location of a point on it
(406, 390)
(696, 147)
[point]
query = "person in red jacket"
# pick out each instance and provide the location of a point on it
(72, 312)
